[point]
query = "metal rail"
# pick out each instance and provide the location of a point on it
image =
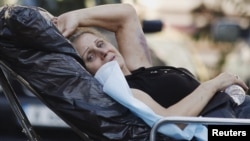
(202, 120)
(16, 108)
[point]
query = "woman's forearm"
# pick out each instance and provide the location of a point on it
(110, 17)
(191, 105)
(194, 103)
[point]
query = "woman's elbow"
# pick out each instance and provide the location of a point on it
(129, 11)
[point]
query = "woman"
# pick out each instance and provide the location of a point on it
(178, 93)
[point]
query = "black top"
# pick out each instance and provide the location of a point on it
(167, 85)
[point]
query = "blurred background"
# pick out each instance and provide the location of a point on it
(205, 36)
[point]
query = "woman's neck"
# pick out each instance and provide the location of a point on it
(125, 70)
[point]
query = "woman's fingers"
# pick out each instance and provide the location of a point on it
(241, 83)
(59, 24)
(66, 25)
(226, 79)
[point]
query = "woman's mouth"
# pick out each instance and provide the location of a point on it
(113, 58)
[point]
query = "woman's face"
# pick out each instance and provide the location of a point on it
(95, 52)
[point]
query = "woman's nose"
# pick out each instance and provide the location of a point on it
(102, 52)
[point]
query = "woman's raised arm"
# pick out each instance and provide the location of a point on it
(121, 19)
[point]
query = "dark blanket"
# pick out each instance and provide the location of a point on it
(33, 47)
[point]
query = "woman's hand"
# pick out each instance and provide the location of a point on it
(67, 23)
(223, 80)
